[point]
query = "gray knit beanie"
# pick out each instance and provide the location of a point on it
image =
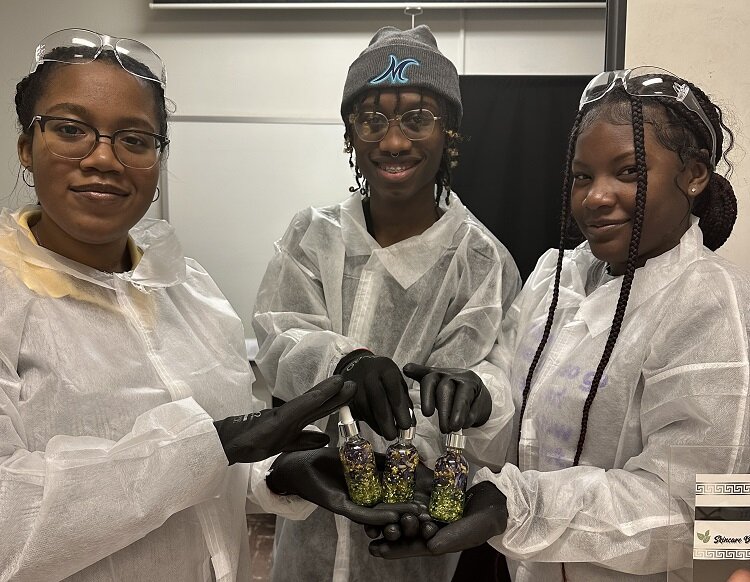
(403, 59)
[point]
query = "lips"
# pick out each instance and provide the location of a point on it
(99, 188)
(396, 168)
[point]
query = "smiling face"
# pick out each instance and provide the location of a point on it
(96, 200)
(604, 192)
(397, 168)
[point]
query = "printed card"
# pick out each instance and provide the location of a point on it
(721, 540)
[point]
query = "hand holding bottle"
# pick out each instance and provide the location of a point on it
(461, 398)
(318, 476)
(485, 516)
(382, 397)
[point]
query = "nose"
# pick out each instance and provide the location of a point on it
(600, 194)
(102, 157)
(394, 141)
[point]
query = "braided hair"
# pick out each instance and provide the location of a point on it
(448, 160)
(679, 130)
(32, 86)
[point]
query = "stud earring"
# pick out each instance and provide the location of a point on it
(693, 189)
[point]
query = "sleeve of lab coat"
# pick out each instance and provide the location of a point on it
(467, 339)
(297, 345)
(695, 392)
(84, 498)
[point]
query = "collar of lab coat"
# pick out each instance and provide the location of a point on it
(409, 259)
(161, 265)
(597, 310)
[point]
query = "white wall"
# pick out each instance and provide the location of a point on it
(276, 64)
(706, 42)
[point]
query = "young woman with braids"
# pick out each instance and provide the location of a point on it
(398, 273)
(631, 343)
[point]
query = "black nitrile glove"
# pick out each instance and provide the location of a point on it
(319, 477)
(461, 398)
(254, 437)
(409, 525)
(382, 398)
(485, 516)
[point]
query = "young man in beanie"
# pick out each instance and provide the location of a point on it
(399, 273)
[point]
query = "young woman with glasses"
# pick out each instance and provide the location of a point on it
(627, 356)
(117, 352)
(399, 273)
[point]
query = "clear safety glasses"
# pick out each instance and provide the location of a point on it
(649, 82)
(81, 46)
(372, 126)
(75, 140)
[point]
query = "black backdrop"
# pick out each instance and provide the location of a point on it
(511, 166)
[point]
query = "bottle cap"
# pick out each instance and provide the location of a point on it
(408, 434)
(455, 440)
(347, 424)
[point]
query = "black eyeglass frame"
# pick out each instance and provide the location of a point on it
(162, 140)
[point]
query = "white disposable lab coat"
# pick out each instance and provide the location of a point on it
(678, 375)
(435, 299)
(110, 466)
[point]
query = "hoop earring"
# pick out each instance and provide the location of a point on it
(27, 176)
(158, 194)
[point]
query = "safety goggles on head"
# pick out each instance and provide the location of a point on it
(373, 126)
(649, 82)
(81, 46)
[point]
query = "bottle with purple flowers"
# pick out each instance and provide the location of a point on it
(449, 485)
(358, 460)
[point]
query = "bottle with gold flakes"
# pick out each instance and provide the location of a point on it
(358, 459)
(449, 485)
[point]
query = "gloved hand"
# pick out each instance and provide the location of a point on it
(382, 398)
(409, 525)
(461, 398)
(319, 477)
(485, 516)
(253, 437)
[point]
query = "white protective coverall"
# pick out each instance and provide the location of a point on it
(110, 467)
(678, 375)
(435, 299)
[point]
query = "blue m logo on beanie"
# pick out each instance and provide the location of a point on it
(395, 71)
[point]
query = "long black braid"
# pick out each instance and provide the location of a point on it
(448, 160)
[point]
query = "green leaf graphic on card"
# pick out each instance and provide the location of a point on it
(704, 537)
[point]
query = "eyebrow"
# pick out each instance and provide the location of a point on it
(79, 110)
(618, 158)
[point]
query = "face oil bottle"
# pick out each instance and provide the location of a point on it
(449, 485)
(358, 460)
(401, 459)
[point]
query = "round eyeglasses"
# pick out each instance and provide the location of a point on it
(373, 126)
(75, 140)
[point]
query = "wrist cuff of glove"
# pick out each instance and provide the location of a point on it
(350, 360)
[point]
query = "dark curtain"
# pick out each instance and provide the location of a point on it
(511, 166)
(510, 176)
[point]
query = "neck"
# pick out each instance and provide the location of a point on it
(109, 257)
(394, 220)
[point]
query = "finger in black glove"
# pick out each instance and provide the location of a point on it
(253, 437)
(485, 516)
(382, 397)
(318, 476)
(461, 398)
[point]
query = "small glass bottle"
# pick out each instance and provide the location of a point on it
(401, 460)
(449, 485)
(358, 460)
